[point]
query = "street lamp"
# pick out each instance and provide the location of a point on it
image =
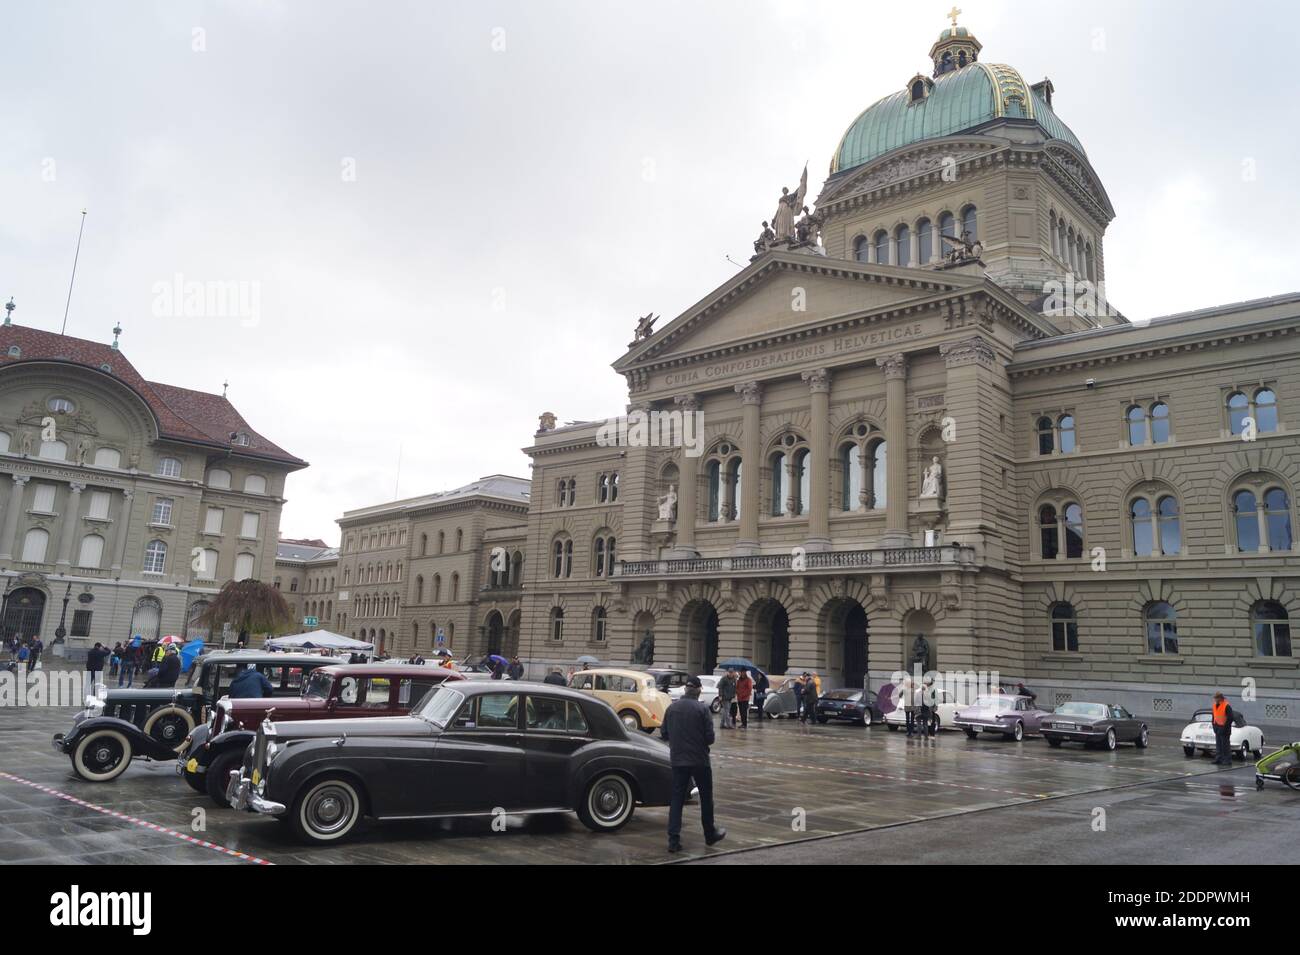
(61, 631)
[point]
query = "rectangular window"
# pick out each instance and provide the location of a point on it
(248, 528)
(207, 569)
(162, 511)
(44, 500)
(243, 566)
(81, 623)
(99, 501)
(212, 522)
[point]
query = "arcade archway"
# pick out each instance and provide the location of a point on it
(767, 626)
(844, 631)
(699, 621)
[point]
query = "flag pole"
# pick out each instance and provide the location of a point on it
(64, 330)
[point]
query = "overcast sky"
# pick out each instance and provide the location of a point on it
(452, 213)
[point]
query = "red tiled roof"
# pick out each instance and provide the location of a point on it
(182, 414)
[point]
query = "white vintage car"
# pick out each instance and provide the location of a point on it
(942, 713)
(1198, 736)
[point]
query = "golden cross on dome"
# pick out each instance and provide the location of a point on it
(953, 14)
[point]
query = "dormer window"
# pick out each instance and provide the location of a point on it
(918, 88)
(918, 91)
(239, 438)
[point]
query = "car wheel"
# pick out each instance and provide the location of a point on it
(218, 775)
(169, 726)
(608, 803)
(822, 719)
(196, 782)
(1053, 742)
(970, 733)
(1143, 739)
(716, 705)
(1018, 731)
(326, 811)
(631, 721)
(1111, 741)
(102, 756)
(1244, 752)
(1189, 751)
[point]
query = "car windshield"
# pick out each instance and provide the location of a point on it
(440, 705)
(997, 702)
(1095, 711)
(1202, 716)
(318, 686)
(845, 694)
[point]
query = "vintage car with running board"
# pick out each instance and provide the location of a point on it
(152, 723)
(344, 691)
(472, 748)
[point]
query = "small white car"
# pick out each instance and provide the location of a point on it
(708, 692)
(942, 712)
(1198, 736)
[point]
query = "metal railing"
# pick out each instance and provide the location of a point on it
(944, 555)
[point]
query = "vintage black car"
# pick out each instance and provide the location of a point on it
(153, 723)
(472, 748)
(849, 703)
(1094, 724)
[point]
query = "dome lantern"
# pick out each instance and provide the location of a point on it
(955, 48)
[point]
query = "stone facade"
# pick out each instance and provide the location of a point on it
(133, 501)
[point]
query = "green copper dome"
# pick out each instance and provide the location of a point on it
(957, 101)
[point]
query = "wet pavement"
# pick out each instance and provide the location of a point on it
(786, 793)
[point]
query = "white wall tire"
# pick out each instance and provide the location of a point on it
(102, 756)
(327, 811)
(607, 803)
(169, 725)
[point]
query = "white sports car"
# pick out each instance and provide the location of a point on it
(942, 713)
(1198, 736)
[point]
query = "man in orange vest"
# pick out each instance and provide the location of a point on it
(1223, 720)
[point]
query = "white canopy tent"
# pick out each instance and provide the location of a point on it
(320, 639)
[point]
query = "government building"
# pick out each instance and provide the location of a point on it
(126, 503)
(914, 414)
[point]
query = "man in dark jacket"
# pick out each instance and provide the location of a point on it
(809, 713)
(169, 670)
(555, 677)
(95, 663)
(688, 730)
(249, 683)
(761, 684)
(516, 669)
(1223, 718)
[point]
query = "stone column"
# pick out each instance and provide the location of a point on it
(71, 513)
(896, 490)
(123, 531)
(11, 516)
(688, 472)
(751, 478)
(819, 535)
(914, 248)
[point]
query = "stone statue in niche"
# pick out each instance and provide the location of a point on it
(668, 504)
(645, 651)
(922, 656)
(25, 446)
(932, 480)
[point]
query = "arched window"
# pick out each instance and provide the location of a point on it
(802, 482)
(598, 625)
(155, 557)
(1143, 528)
(1266, 528)
(562, 557)
(1261, 408)
(903, 246)
(924, 242)
(598, 556)
(557, 624)
(1136, 417)
(1048, 532)
(460, 540)
(918, 90)
(53, 450)
(254, 484)
(424, 544)
(1169, 525)
(1277, 519)
(35, 543)
(778, 484)
(1161, 628)
(437, 588)
(455, 587)
(516, 568)
(1065, 628)
(1265, 411)
(947, 226)
(1247, 521)
(850, 477)
(1088, 267)
(1159, 423)
(1046, 436)
(613, 487)
(714, 473)
(1051, 231)
(1065, 428)
(108, 458)
(442, 541)
(1272, 629)
(92, 551)
(968, 223)
(419, 589)
(219, 478)
(879, 483)
(734, 478)
(882, 247)
(1072, 515)
(862, 249)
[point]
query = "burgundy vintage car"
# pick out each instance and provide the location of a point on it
(343, 691)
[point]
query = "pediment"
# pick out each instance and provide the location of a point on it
(785, 293)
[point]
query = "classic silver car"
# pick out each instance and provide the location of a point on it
(1008, 715)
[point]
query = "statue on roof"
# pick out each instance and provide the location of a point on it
(966, 249)
(808, 228)
(787, 206)
(645, 326)
(764, 240)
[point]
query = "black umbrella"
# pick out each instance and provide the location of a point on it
(739, 663)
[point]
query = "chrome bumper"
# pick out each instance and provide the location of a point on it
(241, 795)
(57, 743)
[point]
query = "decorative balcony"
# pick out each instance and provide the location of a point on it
(946, 556)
